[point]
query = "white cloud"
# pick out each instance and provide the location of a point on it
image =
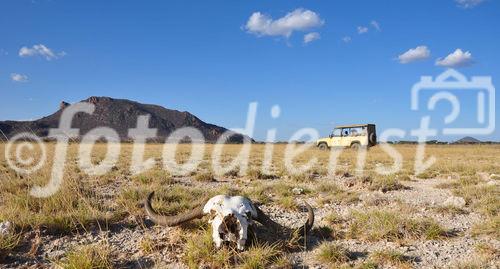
(362, 29)
(346, 39)
(310, 37)
(18, 77)
(456, 59)
(40, 50)
(297, 20)
(376, 25)
(468, 3)
(411, 55)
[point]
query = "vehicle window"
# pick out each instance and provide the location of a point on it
(345, 132)
(357, 131)
(336, 132)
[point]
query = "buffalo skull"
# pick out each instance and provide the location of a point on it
(231, 218)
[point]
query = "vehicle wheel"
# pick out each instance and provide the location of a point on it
(355, 146)
(323, 146)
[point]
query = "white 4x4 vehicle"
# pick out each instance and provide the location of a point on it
(354, 136)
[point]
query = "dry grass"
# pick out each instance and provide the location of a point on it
(87, 202)
(74, 207)
(489, 227)
(332, 254)
(385, 184)
(205, 176)
(201, 253)
(331, 193)
(393, 258)
(8, 243)
(450, 209)
(482, 198)
(169, 200)
(379, 224)
(487, 251)
(255, 174)
(95, 256)
(156, 177)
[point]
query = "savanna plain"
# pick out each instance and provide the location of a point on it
(445, 217)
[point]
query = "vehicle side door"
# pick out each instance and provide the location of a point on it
(345, 141)
(335, 138)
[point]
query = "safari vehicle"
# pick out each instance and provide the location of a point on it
(354, 136)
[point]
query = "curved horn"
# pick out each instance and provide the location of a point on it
(171, 220)
(268, 222)
(310, 219)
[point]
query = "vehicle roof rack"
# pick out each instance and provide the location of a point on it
(353, 125)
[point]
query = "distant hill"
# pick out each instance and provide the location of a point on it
(120, 115)
(467, 140)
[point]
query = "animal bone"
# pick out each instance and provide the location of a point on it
(231, 218)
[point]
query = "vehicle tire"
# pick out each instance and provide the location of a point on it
(323, 146)
(355, 145)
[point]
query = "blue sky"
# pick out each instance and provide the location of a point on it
(206, 57)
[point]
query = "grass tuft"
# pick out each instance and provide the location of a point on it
(488, 227)
(255, 174)
(391, 257)
(8, 243)
(332, 193)
(156, 177)
(332, 254)
(96, 256)
(205, 177)
(385, 184)
(378, 224)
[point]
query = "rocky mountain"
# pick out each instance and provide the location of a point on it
(120, 115)
(467, 140)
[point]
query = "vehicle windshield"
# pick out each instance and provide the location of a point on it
(336, 132)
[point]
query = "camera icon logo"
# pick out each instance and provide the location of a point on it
(446, 86)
